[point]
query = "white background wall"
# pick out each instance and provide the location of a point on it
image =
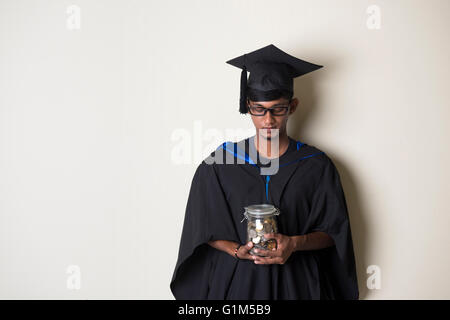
(92, 121)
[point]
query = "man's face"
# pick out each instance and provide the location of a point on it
(269, 121)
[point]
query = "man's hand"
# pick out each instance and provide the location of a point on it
(285, 247)
(243, 252)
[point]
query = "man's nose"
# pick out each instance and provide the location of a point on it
(268, 119)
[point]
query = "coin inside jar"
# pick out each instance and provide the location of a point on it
(256, 240)
(259, 225)
(271, 244)
(268, 228)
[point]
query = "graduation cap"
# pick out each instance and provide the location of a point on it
(270, 69)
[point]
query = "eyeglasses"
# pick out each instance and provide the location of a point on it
(275, 111)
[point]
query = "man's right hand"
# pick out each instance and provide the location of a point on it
(243, 252)
(230, 246)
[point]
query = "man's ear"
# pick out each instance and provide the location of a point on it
(294, 104)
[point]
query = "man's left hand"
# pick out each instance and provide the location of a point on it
(285, 247)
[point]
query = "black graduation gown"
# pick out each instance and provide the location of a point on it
(308, 192)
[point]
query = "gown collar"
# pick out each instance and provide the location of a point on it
(245, 150)
(288, 164)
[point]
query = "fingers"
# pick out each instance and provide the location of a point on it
(272, 236)
(274, 256)
(269, 256)
(267, 260)
(267, 253)
(244, 251)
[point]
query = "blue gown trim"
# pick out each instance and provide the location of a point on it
(237, 152)
(267, 187)
(241, 154)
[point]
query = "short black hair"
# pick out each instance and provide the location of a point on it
(258, 95)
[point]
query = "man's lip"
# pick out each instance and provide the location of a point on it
(269, 130)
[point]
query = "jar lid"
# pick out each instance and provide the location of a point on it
(261, 209)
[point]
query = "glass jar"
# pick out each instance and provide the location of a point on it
(261, 219)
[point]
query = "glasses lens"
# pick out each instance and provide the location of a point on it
(279, 111)
(257, 110)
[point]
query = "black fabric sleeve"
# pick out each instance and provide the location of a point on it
(207, 218)
(329, 214)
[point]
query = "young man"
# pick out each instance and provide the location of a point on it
(314, 256)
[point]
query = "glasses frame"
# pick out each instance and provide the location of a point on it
(271, 109)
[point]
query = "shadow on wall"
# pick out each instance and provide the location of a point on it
(297, 128)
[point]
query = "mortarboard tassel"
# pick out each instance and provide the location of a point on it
(243, 99)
